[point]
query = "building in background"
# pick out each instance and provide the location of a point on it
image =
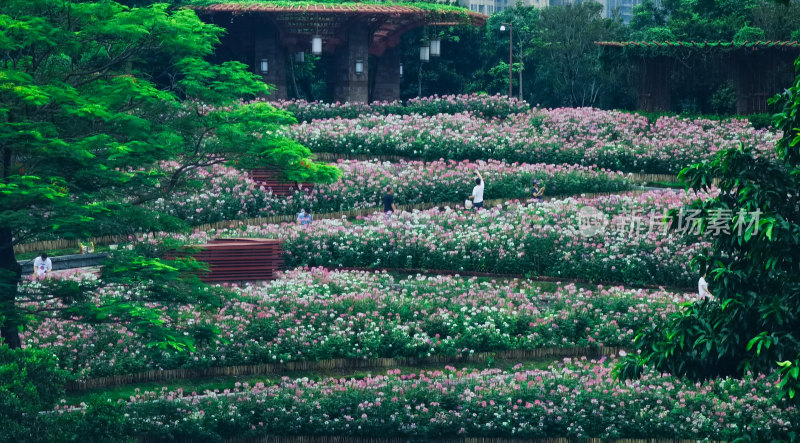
(610, 7)
(625, 8)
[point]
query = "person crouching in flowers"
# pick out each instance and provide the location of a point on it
(42, 266)
(304, 217)
(537, 191)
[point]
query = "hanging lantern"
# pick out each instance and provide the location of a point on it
(436, 47)
(316, 45)
(401, 70)
(299, 57)
(264, 66)
(424, 53)
(359, 67)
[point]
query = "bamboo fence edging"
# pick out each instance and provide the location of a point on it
(543, 278)
(353, 439)
(338, 364)
(286, 218)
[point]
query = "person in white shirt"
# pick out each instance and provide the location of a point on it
(477, 192)
(42, 266)
(702, 288)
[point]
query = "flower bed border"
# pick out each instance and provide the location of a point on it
(337, 364)
(543, 278)
(352, 439)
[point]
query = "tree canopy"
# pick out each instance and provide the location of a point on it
(94, 98)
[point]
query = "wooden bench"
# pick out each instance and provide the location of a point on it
(271, 179)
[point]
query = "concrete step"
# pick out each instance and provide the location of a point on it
(67, 262)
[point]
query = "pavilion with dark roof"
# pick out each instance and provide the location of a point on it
(264, 35)
(758, 69)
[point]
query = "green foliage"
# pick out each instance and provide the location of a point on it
(723, 101)
(659, 33)
(571, 69)
(753, 322)
(94, 96)
(749, 34)
(102, 421)
(29, 382)
(779, 20)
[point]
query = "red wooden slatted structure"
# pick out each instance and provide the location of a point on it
(271, 179)
(239, 259)
(235, 259)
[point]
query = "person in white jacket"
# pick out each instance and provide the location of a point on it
(477, 192)
(42, 267)
(702, 288)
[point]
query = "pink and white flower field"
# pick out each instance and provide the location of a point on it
(315, 314)
(583, 136)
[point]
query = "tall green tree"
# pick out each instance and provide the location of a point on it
(93, 96)
(570, 68)
(753, 323)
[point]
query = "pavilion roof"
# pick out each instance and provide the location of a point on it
(387, 21)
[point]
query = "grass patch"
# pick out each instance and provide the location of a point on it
(670, 185)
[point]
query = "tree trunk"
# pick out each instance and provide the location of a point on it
(10, 273)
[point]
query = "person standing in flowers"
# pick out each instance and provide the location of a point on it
(702, 288)
(537, 191)
(304, 217)
(42, 266)
(477, 192)
(388, 202)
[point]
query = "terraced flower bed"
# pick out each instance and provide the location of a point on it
(487, 106)
(229, 194)
(318, 314)
(576, 398)
(537, 239)
(585, 136)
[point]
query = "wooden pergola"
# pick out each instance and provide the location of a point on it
(349, 31)
(758, 69)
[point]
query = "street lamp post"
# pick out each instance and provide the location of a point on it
(510, 53)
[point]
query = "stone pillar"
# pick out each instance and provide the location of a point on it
(266, 46)
(347, 85)
(386, 85)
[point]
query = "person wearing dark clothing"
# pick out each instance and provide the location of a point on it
(537, 191)
(388, 202)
